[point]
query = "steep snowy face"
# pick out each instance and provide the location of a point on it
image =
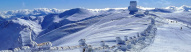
(9, 35)
(11, 32)
(65, 23)
(76, 14)
(71, 12)
(53, 21)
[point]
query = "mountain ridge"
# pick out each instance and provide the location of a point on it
(58, 24)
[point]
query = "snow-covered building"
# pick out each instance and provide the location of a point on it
(133, 7)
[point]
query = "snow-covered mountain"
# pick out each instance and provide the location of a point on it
(66, 27)
(2, 19)
(27, 12)
(181, 8)
(169, 9)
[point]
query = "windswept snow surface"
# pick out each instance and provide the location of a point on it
(106, 30)
(66, 28)
(170, 37)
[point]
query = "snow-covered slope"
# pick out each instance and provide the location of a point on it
(170, 37)
(66, 28)
(184, 17)
(54, 21)
(12, 30)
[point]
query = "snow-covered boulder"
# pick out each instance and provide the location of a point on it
(82, 42)
(119, 40)
(126, 38)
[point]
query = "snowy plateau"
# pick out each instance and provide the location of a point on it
(101, 30)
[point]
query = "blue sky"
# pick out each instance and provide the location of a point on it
(68, 4)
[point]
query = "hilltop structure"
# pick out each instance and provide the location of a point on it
(133, 7)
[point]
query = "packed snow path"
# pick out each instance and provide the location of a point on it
(172, 36)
